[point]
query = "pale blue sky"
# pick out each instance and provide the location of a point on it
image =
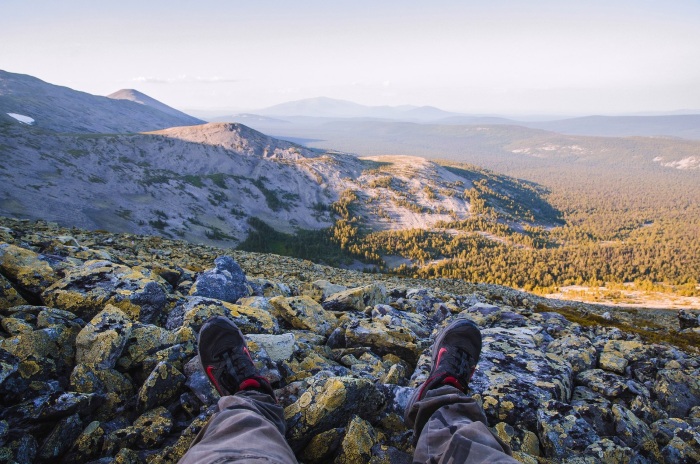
(500, 56)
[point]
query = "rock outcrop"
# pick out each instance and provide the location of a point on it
(98, 357)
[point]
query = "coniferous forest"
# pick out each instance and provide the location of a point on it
(609, 221)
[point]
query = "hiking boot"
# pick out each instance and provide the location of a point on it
(226, 360)
(455, 354)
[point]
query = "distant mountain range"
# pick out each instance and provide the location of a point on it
(323, 107)
(313, 112)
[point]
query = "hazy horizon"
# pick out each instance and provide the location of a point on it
(504, 57)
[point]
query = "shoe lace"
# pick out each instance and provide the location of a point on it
(237, 368)
(457, 362)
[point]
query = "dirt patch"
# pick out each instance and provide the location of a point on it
(625, 298)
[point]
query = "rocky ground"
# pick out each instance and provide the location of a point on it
(98, 356)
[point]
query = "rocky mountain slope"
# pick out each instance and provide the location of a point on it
(203, 182)
(98, 356)
(62, 109)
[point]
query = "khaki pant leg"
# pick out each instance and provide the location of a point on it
(249, 427)
(452, 428)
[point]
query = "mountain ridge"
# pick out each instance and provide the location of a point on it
(335, 108)
(139, 97)
(323, 109)
(62, 109)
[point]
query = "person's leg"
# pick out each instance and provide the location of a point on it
(449, 426)
(249, 425)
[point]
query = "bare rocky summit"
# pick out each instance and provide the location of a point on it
(61, 109)
(143, 99)
(98, 356)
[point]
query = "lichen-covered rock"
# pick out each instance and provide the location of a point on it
(48, 317)
(302, 312)
(607, 451)
(9, 297)
(383, 340)
(42, 355)
(102, 340)
(688, 319)
(635, 433)
(397, 375)
(617, 355)
(88, 444)
(368, 365)
(226, 282)
(21, 450)
(330, 403)
(126, 456)
(308, 363)
(268, 288)
(519, 440)
(320, 290)
(49, 407)
(198, 382)
(678, 390)
(577, 350)
(177, 355)
(249, 319)
(144, 340)
(631, 350)
(66, 431)
(31, 271)
(595, 409)
(683, 448)
(9, 365)
(116, 389)
(563, 431)
(16, 325)
(259, 302)
(323, 446)
(606, 383)
(665, 429)
(357, 444)
(514, 376)
(4, 428)
(356, 299)
(384, 454)
(612, 363)
(173, 453)
(393, 318)
(88, 288)
(265, 365)
(161, 386)
(278, 347)
(147, 431)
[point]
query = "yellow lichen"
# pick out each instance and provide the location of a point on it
(28, 368)
(305, 400)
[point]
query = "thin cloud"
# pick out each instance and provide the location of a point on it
(183, 79)
(149, 80)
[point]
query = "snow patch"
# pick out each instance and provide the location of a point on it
(22, 118)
